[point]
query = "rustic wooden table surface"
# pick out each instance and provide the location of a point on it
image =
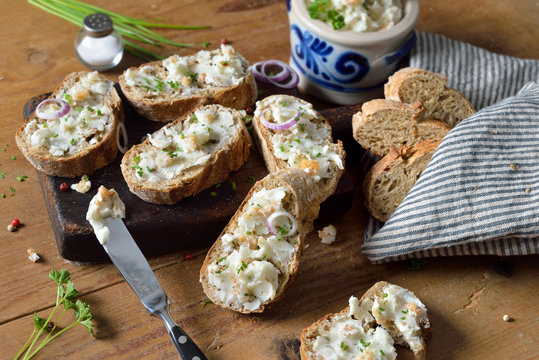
(466, 297)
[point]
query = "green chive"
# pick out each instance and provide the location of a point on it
(213, 193)
(234, 188)
(205, 44)
(13, 158)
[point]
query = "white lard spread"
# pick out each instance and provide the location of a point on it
(187, 144)
(306, 144)
(105, 204)
(362, 15)
(248, 275)
(86, 123)
(189, 75)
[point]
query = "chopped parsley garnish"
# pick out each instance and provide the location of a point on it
(242, 267)
(72, 141)
(365, 344)
(218, 272)
(159, 84)
(247, 294)
(385, 295)
(218, 186)
(173, 84)
(22, 177)
(234, 187)
(404, 317)
(405, 311)
(251, 179)
(99, 112)
(248, 232)
(3, 195)
(382, 309)
(150, 169)
(337, 20)
(173, 153)
(302, 127)
(318, 10)
(79, 109)
(281, 148)
(12, 189)
(90, 109)
(298, 141)
(224, 62)
(381, 352)
(344, 347)
(136, 159)
(68, 98)
(209, 131)
(192, 77)
(318, 155)
(44, 124)
(194, 117)
(182, 135)
(283, 104)
(213, 193)
(283, 230)
(205, 44)
(55, 136)
(204, 303)
(263, 258)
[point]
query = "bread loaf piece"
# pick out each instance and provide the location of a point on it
(187, 156)
(410, 85)
(385, 124)
(257, 255)
(305, 142)
(387, 183)
(168, 89)
(80, 141)
(353, 333)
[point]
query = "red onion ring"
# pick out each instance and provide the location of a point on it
(282, 126)
(64, 109)
(292, 83)
(281, 75)
(271, 219)
(258, 73)
(121, 126)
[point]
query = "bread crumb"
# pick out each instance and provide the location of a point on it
(11, 228)
(495, 131)
(83, 186)
(327, 235)
(512, 167)
(507, 318)
(527, 191)
(32, 255)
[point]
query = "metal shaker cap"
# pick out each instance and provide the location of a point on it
(97, 25)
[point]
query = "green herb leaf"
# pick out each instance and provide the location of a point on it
(213, 193)
(251, 179)
(204, 303)
(234, 187)
(39, 323)
(381, 352)
(205, 44)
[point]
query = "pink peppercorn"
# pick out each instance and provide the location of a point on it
(63, 186)
(15, 222)
(188, 257)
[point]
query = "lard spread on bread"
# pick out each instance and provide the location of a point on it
(248, 274)
(223, 67)
(304, 145)
(86, 122)
(105, 204)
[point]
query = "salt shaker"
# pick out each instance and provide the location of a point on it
(98, 45)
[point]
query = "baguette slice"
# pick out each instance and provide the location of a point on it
(410, 85)
(168, 89)
(80, 142)
(390, 179)
(353, 333)
(188, 155)
(384, 124)
(307, 145)
(248, 267)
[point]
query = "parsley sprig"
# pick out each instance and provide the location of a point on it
(319, 10)
(65, 296)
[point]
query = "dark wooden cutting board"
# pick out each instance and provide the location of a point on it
(193, 222)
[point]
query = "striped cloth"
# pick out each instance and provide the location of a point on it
(480, 192)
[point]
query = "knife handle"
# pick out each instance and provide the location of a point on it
(186, 347)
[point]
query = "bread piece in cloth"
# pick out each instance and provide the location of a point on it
(389, 180)
(165, 90)
(188, 155)
(292, 134)
(369, 327)
(384, 124)
(257, 255)
(410, 85)
(76, 133)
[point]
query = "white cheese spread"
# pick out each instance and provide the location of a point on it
(83, 186)
(248, 275)
(105, 204)
(189, 75)
(328, 234)
(86, 122)
(357, 15)
(176, 149)
(305, 145)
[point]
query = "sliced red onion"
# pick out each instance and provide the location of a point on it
(271, 226)
(292, 83)
(286, 72)
(282, 126)
(64, 109)
(281, 75)
(258, 73)
(123, 149)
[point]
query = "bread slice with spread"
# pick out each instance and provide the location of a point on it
(410, 85)
(388, 182)
(384, 124)
(74, 132)
(188, 155)
(369, 327)
(292, 134)
(257, 255)
(165, 90)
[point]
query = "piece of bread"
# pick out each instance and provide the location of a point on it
(410, 85)
(385, 124)
(187, 155)
(389, 180)
(307, 145)
(168, 89)
(84, 139)
(248, 267)
(368, 328)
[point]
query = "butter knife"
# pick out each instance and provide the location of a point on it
(131, 263)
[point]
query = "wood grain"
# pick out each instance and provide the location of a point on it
(466, 297)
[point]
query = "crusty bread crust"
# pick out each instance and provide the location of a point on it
(192, 181)
(302, 202)
(165, 109)
(262, 136)
(87, 161)
(389, 180)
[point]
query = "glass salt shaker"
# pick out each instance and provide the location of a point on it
(98, 45)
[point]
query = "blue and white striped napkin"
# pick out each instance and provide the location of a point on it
(479, 195)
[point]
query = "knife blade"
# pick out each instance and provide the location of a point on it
(131, 263)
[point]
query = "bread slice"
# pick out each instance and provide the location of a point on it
(387, 183)
(307, 145)
(384, 124)
(188, 155)
(248, 267)
(368, 328)
(410, 85)
(84, 139)
(168, 89)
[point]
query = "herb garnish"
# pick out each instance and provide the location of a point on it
(251, 179)
(173, 84)
(204, 303)
(344, 347)
(192, 77)
(234, 187)
(318, 10)
(205, 44)
(242, 267)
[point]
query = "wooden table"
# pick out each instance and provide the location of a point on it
(466, 296)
